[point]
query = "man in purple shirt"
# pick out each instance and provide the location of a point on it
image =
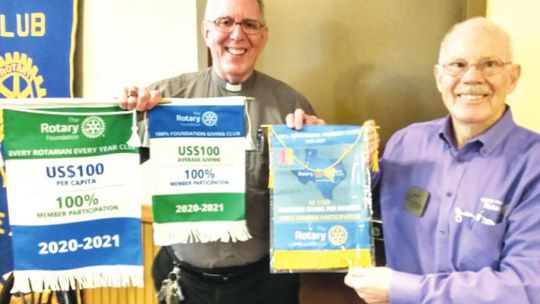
(460, 195)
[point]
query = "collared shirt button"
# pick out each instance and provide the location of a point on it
(448, 194)
(444, 270)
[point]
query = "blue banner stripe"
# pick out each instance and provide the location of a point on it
(114, 241)
(196, 121)
(310, 135)
(318, 236)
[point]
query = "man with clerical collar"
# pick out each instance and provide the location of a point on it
(235, 31)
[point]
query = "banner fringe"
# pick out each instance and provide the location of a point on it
(89, 277)
(200, 232)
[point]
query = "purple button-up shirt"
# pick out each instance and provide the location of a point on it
(478, 237)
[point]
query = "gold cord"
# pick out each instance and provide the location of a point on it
(321, 170)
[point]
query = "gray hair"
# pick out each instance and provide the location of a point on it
(259, 2)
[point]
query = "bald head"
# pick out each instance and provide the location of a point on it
(476, 29)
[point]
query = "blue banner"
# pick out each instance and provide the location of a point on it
(321, 198)
(36, 48)
(6, 256)
(36, 60)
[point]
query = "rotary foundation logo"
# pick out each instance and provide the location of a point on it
(19, 77)
(337, 235)
(93, 126)
(209, 118)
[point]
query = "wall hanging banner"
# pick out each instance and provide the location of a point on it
(320, 198)
(197, 149)
(73, 198)
(36, 48)
(6, 259)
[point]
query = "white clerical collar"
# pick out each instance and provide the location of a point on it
(233, 87)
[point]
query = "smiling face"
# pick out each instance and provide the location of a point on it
(474, 100)
(234, 54)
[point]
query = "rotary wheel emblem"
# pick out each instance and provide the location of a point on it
(337, 235)
(209, 118)
(93, 126)
(19, 78)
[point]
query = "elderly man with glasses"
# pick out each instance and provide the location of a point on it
(236, 33)
(460, 195)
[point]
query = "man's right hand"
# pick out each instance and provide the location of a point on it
(141, 99)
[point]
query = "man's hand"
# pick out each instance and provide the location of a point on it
(299, 119)
(371, 284)
(141, 99)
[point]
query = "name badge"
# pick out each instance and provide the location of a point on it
(416, 200)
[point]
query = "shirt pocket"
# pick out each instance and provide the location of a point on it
(482, 246)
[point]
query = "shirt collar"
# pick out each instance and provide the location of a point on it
(233, 88)
(445, 132)
(489, 139)
(497, 133)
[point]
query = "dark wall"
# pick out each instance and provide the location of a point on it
(360, 59)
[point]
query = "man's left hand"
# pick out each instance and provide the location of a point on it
(371, 284)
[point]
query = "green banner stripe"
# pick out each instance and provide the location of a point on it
(197, 207)
(39, 135)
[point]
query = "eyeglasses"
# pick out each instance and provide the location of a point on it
(249, 26)
(486, 67)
